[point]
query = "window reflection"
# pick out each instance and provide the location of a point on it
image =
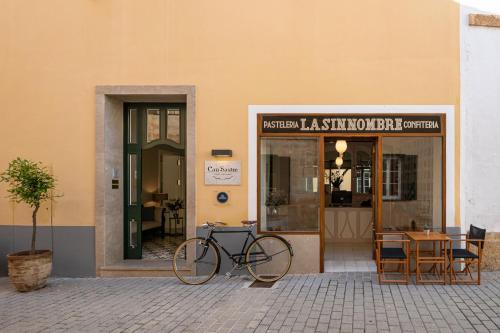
(349, 185)
(153, 125)
(132, 167)
(289, 194)
(412, 183)
(132, 126)
(174, 125)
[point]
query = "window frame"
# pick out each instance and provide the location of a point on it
(377, 183)
(386, 177)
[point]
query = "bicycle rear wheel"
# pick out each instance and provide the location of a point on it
(268, 258)
(196, 261)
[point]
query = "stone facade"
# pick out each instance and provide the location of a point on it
(491, 254)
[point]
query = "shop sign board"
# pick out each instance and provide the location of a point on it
(351, 124)
(222, 172)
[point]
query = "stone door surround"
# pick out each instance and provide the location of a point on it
(109, 210)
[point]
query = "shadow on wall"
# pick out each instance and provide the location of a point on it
(74, 248)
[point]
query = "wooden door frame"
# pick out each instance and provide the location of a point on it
(375, 139)
(379, 170)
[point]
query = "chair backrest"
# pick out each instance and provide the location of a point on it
(390, 236)
(477, 233)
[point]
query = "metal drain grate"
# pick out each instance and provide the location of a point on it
(261, 284)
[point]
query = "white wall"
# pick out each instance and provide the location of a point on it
(480, 110)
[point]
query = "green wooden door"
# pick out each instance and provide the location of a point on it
(146, 126)
(132, 181)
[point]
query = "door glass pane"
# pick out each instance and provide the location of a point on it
(174, 125)
(412, 183)
(133, 233)
(153, 125)
(132, 126)
(289, 190)
(132, 167)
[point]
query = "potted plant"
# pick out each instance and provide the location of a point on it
(427, 229)
(274, 199)
(338, 178)
(174, 206)
(30, 183)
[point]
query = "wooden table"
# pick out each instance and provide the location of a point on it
(434, 258)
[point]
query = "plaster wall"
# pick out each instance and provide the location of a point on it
(236, 54)
(480, 107)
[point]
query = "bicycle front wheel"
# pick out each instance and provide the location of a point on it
(196, 261)
(268, 258)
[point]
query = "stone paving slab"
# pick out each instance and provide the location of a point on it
(333, 302)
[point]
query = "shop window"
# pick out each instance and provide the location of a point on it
(399, 177)
(289, 192)
(412, 183)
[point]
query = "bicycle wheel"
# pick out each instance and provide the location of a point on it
(268, 258)
(196, 261)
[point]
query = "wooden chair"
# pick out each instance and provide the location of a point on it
(397, 255)
(470, 255)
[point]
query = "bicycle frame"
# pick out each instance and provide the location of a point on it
(237, 258)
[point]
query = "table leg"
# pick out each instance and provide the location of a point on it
(445, 263)
(417, 254)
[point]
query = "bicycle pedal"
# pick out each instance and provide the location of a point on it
(228, 276)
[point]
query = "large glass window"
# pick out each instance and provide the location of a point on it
(289, 179)
(412, 183)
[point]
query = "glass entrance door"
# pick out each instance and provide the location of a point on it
(349, 203)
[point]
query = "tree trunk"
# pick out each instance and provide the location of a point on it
(33, 235)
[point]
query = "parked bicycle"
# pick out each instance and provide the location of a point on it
(267, 258)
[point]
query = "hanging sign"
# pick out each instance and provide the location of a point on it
(351, 124)
(222, 172)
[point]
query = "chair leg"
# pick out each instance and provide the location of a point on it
(453, 275)
(467, 268)
(407, 270)
(479, 272)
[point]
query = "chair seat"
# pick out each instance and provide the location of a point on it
(463, 254)
(392, 253)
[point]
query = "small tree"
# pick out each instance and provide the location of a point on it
(31, 183)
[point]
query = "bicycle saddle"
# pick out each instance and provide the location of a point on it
(245, 222)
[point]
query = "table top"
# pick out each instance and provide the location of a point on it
(421, 236)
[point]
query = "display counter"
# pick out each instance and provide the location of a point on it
(348, 224)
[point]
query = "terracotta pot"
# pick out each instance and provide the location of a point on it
(29, 272)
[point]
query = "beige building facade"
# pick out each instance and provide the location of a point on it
(72, 70)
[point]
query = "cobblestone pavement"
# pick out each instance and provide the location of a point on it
(345, 302)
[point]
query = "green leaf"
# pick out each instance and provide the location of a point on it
(28, 182)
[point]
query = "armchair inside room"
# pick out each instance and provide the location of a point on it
(466, 255)
(153, 213)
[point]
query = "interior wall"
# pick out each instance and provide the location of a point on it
(171, 173)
